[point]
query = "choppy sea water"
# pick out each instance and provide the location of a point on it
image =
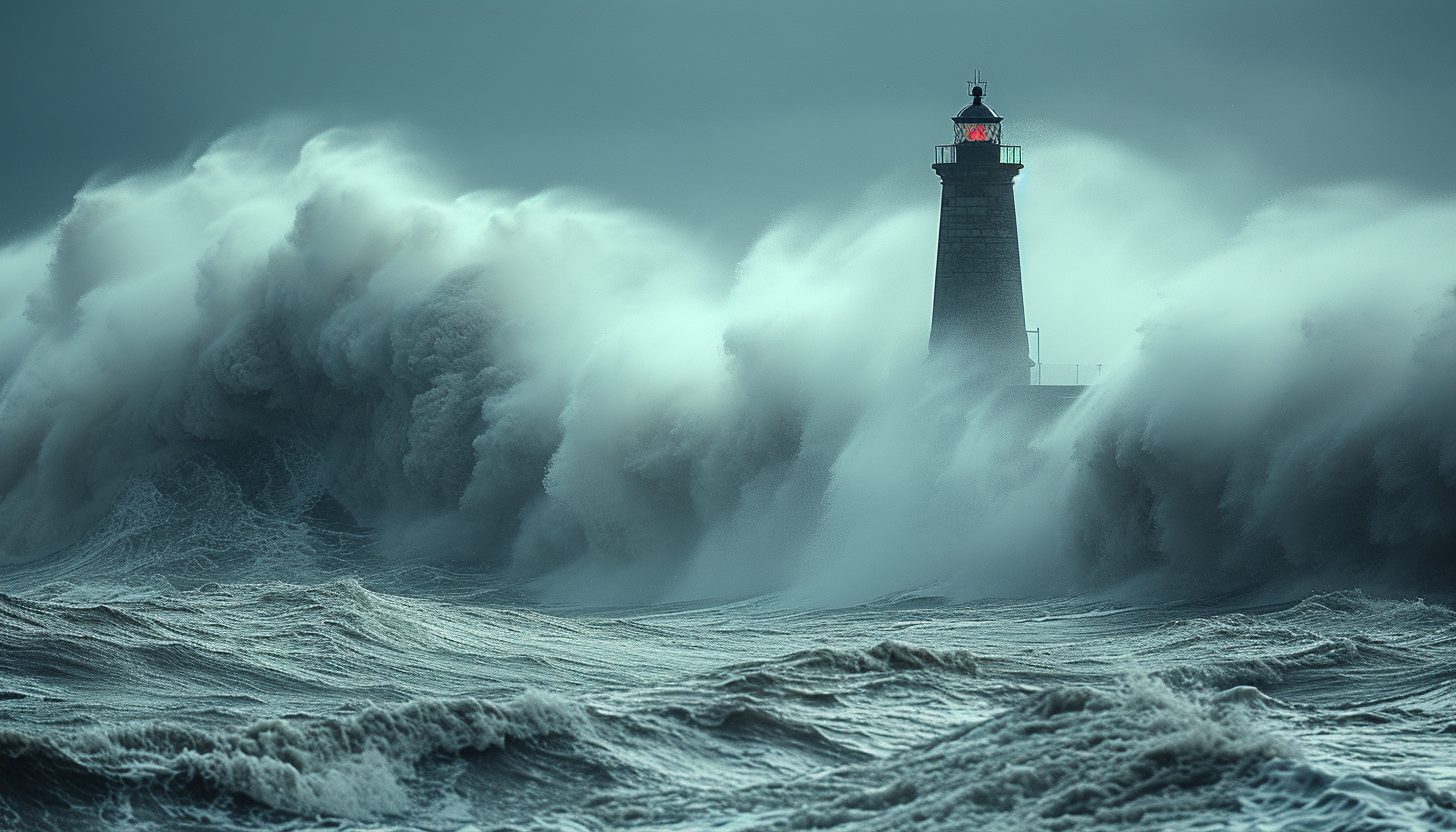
(318, 482)
(274, 705)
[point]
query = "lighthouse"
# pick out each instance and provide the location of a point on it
(978, 310)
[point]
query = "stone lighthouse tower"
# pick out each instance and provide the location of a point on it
(978, 306)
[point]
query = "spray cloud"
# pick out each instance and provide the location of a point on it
(553, 386)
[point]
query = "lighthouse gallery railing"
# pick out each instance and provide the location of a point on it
(945, 154)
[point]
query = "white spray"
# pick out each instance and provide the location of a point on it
(558, 387)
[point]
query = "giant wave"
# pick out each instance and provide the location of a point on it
(551, 387)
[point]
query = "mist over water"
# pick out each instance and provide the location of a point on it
(356, 360)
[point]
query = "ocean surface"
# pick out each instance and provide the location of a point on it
(419, 701)
(333, 499)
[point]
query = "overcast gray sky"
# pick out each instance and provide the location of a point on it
(722, 116)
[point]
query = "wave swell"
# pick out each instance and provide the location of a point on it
(358, 766)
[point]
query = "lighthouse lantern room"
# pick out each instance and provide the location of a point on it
(977, 122)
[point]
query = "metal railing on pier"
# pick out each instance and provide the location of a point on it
(1059, 374)
(1074, 374)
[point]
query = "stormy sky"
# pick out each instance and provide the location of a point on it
(723, 116)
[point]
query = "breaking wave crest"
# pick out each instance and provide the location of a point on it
(1065, 757)
(355, 766)
(883, 657)
(1291, 411)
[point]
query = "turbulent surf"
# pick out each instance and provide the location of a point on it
(330, 499)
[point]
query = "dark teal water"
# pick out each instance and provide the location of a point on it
(279, 705)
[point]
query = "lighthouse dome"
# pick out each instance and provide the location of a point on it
(977, 112)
